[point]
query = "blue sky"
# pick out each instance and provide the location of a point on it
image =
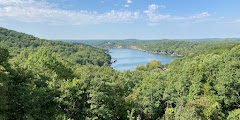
(122, 19)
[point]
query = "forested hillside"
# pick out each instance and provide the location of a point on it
(114, 43)
(181, 48)
(40, 83)
(187, 47)
(79, 53)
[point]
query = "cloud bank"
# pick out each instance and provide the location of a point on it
(43, 11)
(154, 16)
(33, 11)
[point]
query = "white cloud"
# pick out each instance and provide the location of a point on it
(235, 21)
(152, 7)
(33, 11)
(42, 11)
(129, 1)
(202, 15)
(126, 5)
(162, 6)
(9, 2)
(154, 16)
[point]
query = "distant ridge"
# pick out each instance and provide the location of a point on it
(197, 39)
(130, 39)
(203, 39)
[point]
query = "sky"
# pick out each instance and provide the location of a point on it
(122, 19)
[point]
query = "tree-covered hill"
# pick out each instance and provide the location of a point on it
(205, 86)
(187, 47)
(38, 84)
(79, 53)
(114, 43)
(173, 47)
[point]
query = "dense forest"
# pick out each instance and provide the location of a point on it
(42, 79)
(114, 43)
(78, 53)
(173, 47)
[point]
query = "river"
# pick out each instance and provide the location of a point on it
(130, 58)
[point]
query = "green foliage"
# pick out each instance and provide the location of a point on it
(205, 107)
(79, 53)
(4, 55)
(93, 94)
(114, 43)
(176, 48)
(29, 96)
(130, 114)
(153, 65)
(211, 75)
(4, 80)
(234, 115)
(169, 114)
(41, 79)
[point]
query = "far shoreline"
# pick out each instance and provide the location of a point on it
(153, 52)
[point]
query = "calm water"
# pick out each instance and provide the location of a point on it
(130, 58)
